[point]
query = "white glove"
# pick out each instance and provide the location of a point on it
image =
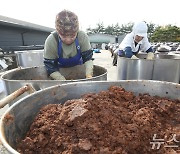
(134, 57)
(89, 68)
(57, 76)
(150, 56)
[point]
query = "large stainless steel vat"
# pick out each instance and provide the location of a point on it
(164, 68)
(29, 58)
(24, 111)
(38, 78)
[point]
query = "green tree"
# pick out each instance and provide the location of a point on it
(117, 30)
(166, 33)
(98, 29)
(126, 28)
(109, 30)
(155, 33)
(151, 29)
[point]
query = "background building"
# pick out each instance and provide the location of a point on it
(98, 39)
(20, 35)
(16, 35)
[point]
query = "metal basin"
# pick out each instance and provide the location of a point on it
(163, 68)
(159, 56)
(38, 78)
(30, 58)
(165, 56)
(23, 112)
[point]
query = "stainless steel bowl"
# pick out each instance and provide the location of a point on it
(163, 68)
(25, 110)
(30, 58)
(38, 78)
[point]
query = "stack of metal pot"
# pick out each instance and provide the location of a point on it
(163, 68)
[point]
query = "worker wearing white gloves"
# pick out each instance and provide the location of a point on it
(135, 41)
(67, 46)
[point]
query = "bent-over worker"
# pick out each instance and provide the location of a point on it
(135, 41)
(67, 46)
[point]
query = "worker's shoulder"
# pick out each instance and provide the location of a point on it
(82, 35)
(51, 37)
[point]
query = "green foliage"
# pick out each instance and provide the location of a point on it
(167, 33)
(116, 29)
(156, 33)
(99, 29)
(126, 28)
(111, 29)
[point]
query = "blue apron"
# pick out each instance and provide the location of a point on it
(69, 62)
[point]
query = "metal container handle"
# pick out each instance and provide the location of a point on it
(27, 88)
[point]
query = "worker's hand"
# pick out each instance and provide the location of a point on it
(150, 55)
(134, 57)
(89, 69)
(57, 76)
(88, 76)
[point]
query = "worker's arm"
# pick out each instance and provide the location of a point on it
(86, 53)
(52, 69)
(146, 46)
(150, 54)
(87, 60)
(149, 50)
(51, 65)
(128, 52)
(50, 58)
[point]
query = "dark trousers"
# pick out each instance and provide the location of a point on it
(115, 60)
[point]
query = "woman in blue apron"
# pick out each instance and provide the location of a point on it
(67, 47)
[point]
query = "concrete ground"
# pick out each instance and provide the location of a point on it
(104, 59)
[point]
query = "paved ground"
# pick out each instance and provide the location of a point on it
(104, 59)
